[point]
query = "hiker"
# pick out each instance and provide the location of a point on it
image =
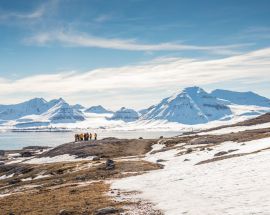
(95, 136)
(86, 137)
(90, 136)
(78, 137)
(81, 137)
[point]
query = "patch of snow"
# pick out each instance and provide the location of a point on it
(3, 177)
(56, 159)
(41, 176)
(236, 129)
(232, 186)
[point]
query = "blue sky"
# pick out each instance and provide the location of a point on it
(58, 37)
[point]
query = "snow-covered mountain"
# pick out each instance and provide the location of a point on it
(97, 109)
(242, 98)
(35, 106)
(125, 114)
(38, 111)
(191, 106)
(62, 112)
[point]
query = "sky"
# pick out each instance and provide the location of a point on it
(131, 53)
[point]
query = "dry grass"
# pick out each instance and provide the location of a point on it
(64, 190)
(77, 200)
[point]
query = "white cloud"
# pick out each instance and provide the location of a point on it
(150, 82)
(103, 18)
(16, 15)
(83, 40)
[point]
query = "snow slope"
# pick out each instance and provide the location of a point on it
(33, 106)
(63, 112)
(238, 185)
(191, 106)
(242, 98)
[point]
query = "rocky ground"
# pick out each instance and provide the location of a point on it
(75, 178)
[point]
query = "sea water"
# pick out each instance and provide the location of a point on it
(18, 140)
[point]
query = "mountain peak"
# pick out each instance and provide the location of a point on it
(36, 100)
(192, 105)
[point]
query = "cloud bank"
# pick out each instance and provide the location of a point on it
(83, 40)
(140, 84)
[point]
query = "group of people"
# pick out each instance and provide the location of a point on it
(85, 137)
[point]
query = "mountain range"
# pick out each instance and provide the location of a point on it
(191, 106)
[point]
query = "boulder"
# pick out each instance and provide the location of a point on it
(220, 153)
(107, 210)
(160, 160)
(14, 181)
(26, 154)
(189, 150)
(81, 178)
(110, 165)
(96, 158)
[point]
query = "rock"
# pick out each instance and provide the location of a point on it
(221, 153)
(2, 163)
(186, 159)
(2, 153)
(26, 154)
(81, 178)
(107, 210)
(57, 181)
(96, 158)
(232, 150)
(14, 181)
(35, 147)
(73, 191)
(65, 212)
(160, 160)
(161, 137)
(140, 138)
(189, 150)
(110, 165)
(209, 149)
(202, 149)
(82, 154)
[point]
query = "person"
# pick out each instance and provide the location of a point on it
(90, 136)
(76, 137)
(86, 136)
(81, 137)
(95, 136)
